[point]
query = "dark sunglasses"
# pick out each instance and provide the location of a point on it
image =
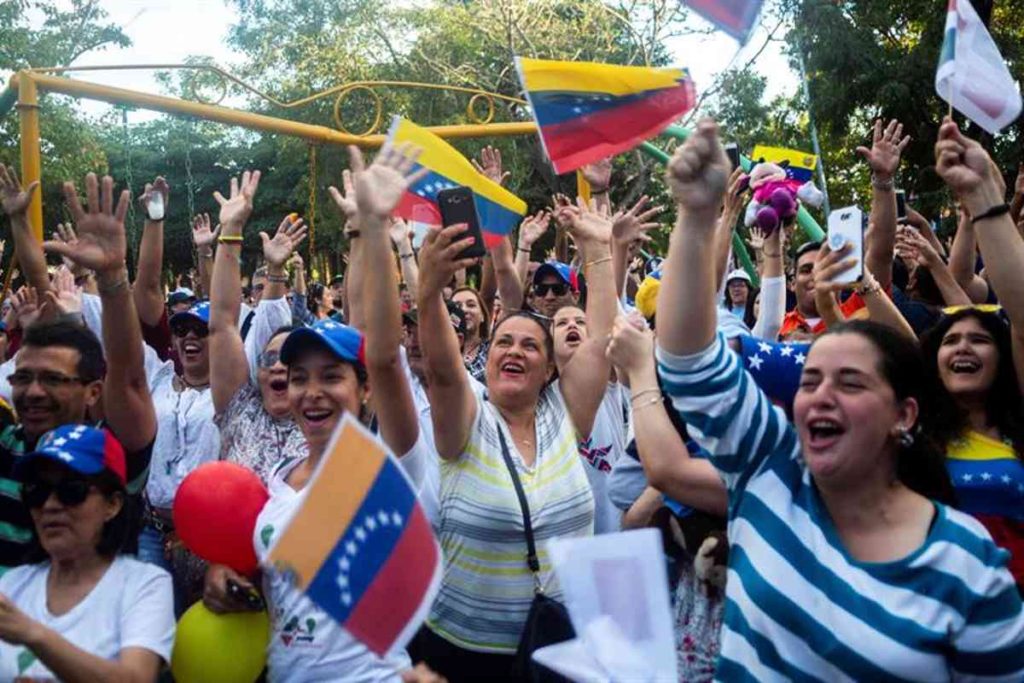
(268, 359)
(70, 492)
(182, 330)
(559, 289)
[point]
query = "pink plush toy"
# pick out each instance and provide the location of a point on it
(776, 196)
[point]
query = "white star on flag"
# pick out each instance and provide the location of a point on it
(396, 518)
(1005, 478)
(344, 564)
(986, 476)
(786, 351)
(342, 581)
(360, 534)
(346, 598)
(765, 347)
(351, 548)
(755, 362)
(383, 518)
(370, 523)
(60, 441)
(75, 435)
(65, 456)
(968, 477)
(800, 358)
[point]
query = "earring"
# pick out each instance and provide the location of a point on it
(904, 438)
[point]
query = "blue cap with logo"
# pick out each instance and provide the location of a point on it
(86, 450)
(345, 342)
(199, 312)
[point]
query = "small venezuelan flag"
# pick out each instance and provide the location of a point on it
(361, 546)
(586, 112)
(801, 164)
(498, 209)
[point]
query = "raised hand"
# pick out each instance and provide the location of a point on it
(699, 170)
(25, 307)
(966, 168)
(101, 244)
(278, 248)
(588, 224)
(631, 344)
(158, 186)
(236, 209)
(346, 201)
(734, 197)
(533, 228)
(632, 225)
(490, 165)
(380, 186)
(65, 297)
(756, 239)
(14, 200)
(912, 245)
(202, 236)
(886, 149)
(562, 219)
(399, 231)
(1018, 184)
(598, 174)
(437, 258)
(830, 265)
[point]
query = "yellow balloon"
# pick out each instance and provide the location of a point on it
(219, 648)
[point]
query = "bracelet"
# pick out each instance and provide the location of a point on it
(603, 190)
(881, 184)
(652, 402)
(411, 254)
(594, 263)
(104, 289)
(868, 288)
(638, 394)
(206, 253)
(282, 279)
(994, 212)
(775, 255)
(230, 239)
(525, 251)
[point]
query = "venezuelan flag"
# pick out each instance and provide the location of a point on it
(498, 209)
(360, 545)
(801, 164)
(586, 112)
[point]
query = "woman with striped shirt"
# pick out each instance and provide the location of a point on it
(476, 622)
(839, 567)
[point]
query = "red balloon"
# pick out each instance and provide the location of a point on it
(215, 513)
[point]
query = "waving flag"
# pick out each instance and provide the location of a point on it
(361, 546)
(498, 209)
(799, 165)
(776, 367)
(586, 112)
(735, 17)
(972, 76)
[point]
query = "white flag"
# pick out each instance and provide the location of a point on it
(972, 75)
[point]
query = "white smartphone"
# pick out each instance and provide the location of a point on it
(155, 206)
(847, 226)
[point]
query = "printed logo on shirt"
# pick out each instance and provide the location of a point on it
(266, 534)
(297, 632)
(597, 457)
(26, 658)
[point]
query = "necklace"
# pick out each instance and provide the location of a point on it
(201, 385)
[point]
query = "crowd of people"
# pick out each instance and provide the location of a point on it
(836, 469)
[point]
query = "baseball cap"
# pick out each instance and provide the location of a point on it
(200, 312)
(84, 449)
(336, 280)
(563, 271)
(180, 295)
(345, 342)
(738, 274)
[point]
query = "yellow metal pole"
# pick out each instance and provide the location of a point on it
(31, 164)
(243, 119)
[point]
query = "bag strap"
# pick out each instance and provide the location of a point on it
(531, 548)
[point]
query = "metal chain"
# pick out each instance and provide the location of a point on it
(311, 216)
(131, 229)
(190, 185)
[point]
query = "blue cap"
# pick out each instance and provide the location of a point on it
(200, 312)
(84, 449)
(563, 271)
(341, 340)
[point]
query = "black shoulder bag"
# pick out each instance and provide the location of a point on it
(548, 621)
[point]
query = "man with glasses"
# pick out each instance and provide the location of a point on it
(555, 284)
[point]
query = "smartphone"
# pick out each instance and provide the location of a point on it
(732, 150)
(458, 206)
(252, 599)
(155, 206)
(901, 207)
(847, 226)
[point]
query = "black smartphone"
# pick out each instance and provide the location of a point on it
(901, 207)
(248, 596)
(458, 206)
(732, 150)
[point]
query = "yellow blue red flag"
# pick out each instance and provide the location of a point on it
(360, 545)
(799, 165)
(498, 209)
(586, 111)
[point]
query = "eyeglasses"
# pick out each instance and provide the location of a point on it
(558, 288)
(71, 492)
(980, 308)
(268, 359)
(257, 288)
(182, 330)
(46, 379)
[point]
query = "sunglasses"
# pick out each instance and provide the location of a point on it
(558, 288)
(71, 492)
(201, 331)
(268, 359)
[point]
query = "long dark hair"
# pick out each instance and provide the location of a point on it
(485, 313)
(1004, 407)
(921, 467)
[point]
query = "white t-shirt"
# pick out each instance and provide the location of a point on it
(600, 452)
(131, 606)
(306, 645)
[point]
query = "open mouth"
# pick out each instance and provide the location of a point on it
(513, 368)
(964, 366)
(278, 384)
(824, 432)
(574, 337)
(191, 349)
(316, 418)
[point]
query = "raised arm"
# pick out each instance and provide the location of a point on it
(27, 251)
(379, 188)
(530, 230)
(228, 367)
(962, 257)
(584, 378)
(204, 238)
(731, 208)
(599, 176)
(500, 262)
(629, 229)
(966, 168)
(1017, 205)
(102, 247)
(883, 157)
(453, 405)
(400, 236)
(345, 199)
(147, 291)
(912, 244)
(773, 287)
(666, 460)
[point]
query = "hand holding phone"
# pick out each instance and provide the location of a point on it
(732, 150)
(459, 206)
(846, 226)
(901, 207)
(247, 596)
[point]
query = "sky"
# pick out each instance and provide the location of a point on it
(168, 31)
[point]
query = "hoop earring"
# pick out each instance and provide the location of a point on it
(904, 438)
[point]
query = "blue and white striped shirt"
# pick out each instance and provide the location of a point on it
(798, 607)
